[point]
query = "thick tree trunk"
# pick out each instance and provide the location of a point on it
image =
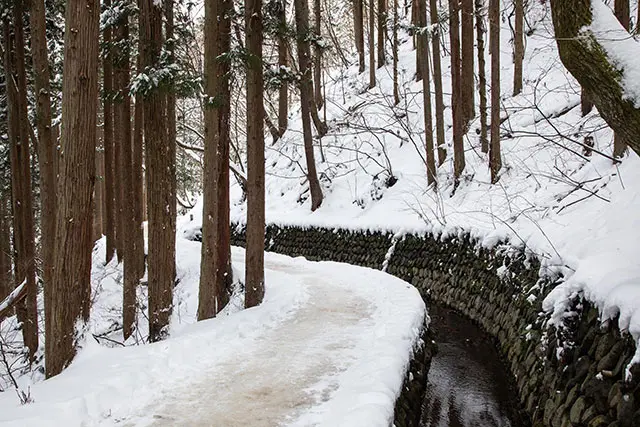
(423, 46)
(215, 272)
(587, 61)
(396, 91)
(456, 93)
(254, 278)
(137, 181)
(372, 52)
(171, 116)
(358, 31)
(23, 227)
(437, 81)
(495, 160)
(382, 32)
(518, 46)
(109, 148)
(71, 284)
(317, 58)
(46, 143)
(586, 105)
(482, 75)
(467, 80)
(283, 94)
(306, 100)
(159, 169)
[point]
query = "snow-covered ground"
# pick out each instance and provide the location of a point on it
(577, 212)
(329, 346)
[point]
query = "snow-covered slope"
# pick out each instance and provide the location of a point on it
(329, 346)
(577, 212)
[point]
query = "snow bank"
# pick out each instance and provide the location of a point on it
(329, 346)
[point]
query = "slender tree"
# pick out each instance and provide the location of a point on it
(482, 76)
(171, 113)
(317, 57)
(495, 159)
(518, 46)
(137, 180)
(467, 83)
(423, 45)
(437, 81)
(283, 62)
(358, 31)
(5, 248)
(254, 278)
(372, 52)
(71, 284)
(159, 167)
(215, 271)
(396, 91)
(456, 92)
(23, 227)
(382, 32)
(306, 99)
(621, 9)
(109, 148)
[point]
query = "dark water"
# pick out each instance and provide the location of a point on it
(468, 385)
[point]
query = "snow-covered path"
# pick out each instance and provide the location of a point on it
(329, 346)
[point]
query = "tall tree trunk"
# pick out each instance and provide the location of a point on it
(437, 81)
(109, 148)
(317, 59)
(482, 76)
(621, 8)
(456, 92)
(137, 180)
(46, 144)
(467, 80)
(5, 248)
(382, 32)
(358, 31)
(215, 266)
(171, 117)
(122, 137)
(495, 159)
(23, 226)
(423, 46)
(518, 47)
(283, 94)
(306, 100)
(254, 278)
(396, 90)
(98, 204)
(159, 169)
(71, 284)
(372, 52)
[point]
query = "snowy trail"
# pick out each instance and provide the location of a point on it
(270, 382)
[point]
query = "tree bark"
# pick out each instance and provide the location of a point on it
(98, 205)
(306, 100)
(23, 226)
(482, 76)
(283, 62)
(159, 169)
(396, 91)
(254, 277)
(137, 181)
(358, 31)
(586, 105)
(382, 32)
(46, 143)
(518, 46)
(71, 284)
(495, 160)
(109, 148)
(215, 269)
(372, 54)
(171, 115)
(456, 93)
(587, 61)
(317, 59)
(621, 10)
(467, 76)
(437, 81)
(423, 46)
(5, 248)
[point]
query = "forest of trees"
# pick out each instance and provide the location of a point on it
(94, 100)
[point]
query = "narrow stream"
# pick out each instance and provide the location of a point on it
(468, 385)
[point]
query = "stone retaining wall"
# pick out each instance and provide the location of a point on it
(582, 385)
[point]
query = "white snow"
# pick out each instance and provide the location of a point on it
(329, 346)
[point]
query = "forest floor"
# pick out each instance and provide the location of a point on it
(329, 346)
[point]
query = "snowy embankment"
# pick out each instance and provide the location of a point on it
(575, 210)
(329, 346)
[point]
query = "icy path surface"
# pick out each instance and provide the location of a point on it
(328, 347)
